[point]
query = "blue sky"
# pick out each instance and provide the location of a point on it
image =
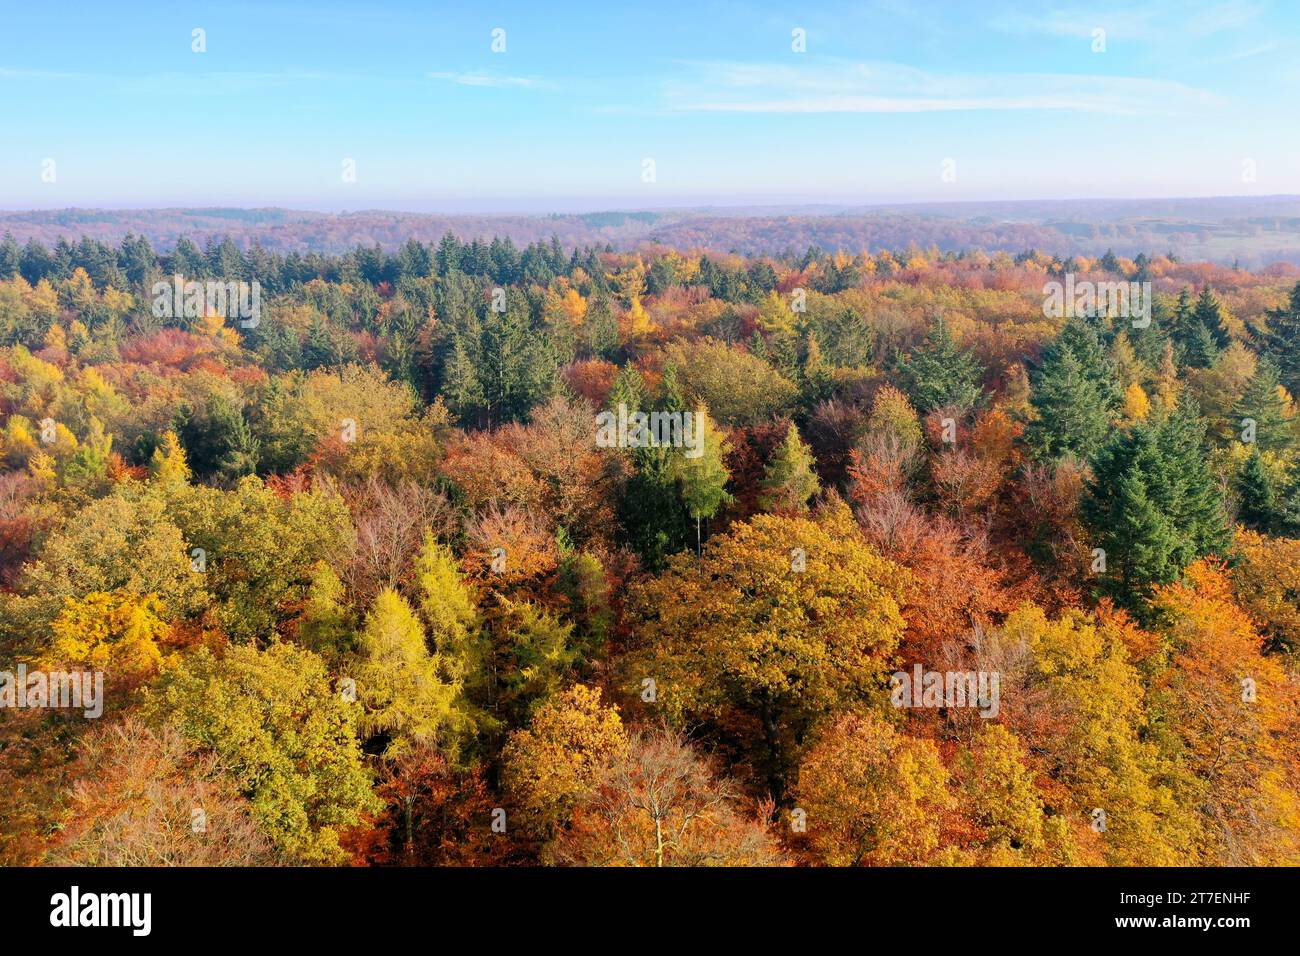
(1184, 94)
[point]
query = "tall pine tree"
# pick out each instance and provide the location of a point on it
(1261, 411)
(940, 375)
(1258, 504)
(1209, 313)
(1279, 339)
(1153, 505)
(1075, 395)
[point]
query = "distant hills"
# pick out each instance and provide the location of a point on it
(1253, 231)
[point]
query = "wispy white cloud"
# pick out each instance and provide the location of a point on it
(7, 73)
(1249, 52)
(1154, 20)
(489, 79)
(892, 88)
(223, 81)
(1130, 24)
(1218, 17)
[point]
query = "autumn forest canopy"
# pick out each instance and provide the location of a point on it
(365, 588)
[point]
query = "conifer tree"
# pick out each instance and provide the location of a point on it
(10, 257)
(1149, 343)
(650, 508)
(1209, 314)
(1141, 539)
(628, 389)
(1263, 409)
(1168, 387)
(1258, 505)
(1279, 340)
(1074, 394)
(1153, 505)
(464, 649)
(515, 368)
(217, 439)
(1200, 349)
(1187, 483)
(818, 384)
(460, 385)
(1124, 359)
(168, 462)
(1181, 321)
(324, 625)
(939, 374)
(893, 415)
(1136, 404)
(320, 348)
(397, 680)
(789, 480)
(602, 328)
(671, 397)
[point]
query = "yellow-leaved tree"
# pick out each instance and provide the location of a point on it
(1233, 721)
(398, 685)
(554, 762)
(1267, 583)
(1082, 703)
(872, 796)
(783, 621)
(116, 632)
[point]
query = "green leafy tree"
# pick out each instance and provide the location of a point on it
(703, 476)
(874, 796)
(784, 621)
(285, 737)
(737, 387)
(260, 549)
(126, 542)
(558, 757)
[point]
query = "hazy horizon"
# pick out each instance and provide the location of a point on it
(507, 206)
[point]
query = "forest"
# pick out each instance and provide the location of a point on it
(365, 589)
